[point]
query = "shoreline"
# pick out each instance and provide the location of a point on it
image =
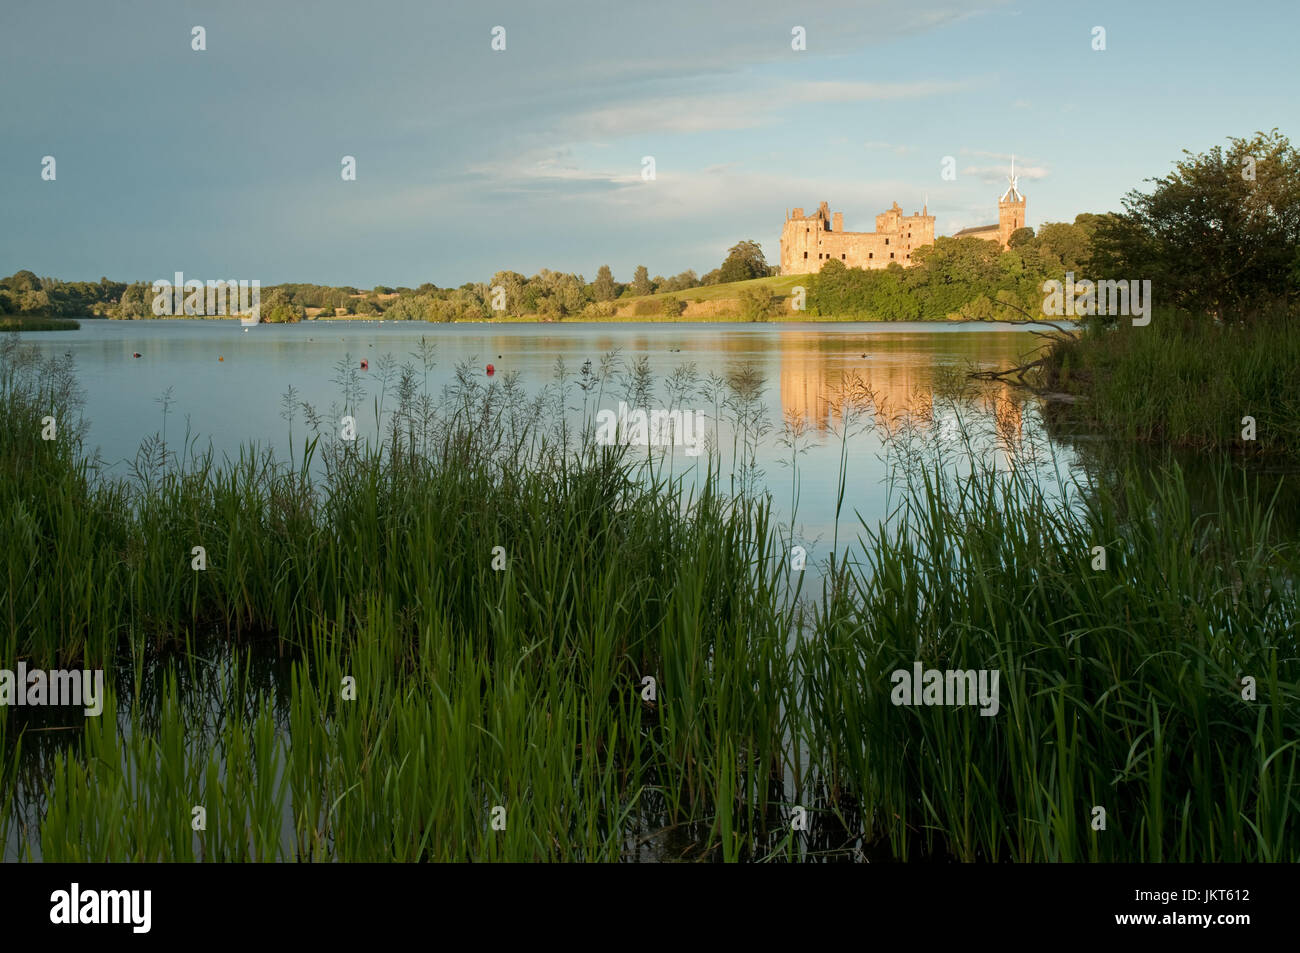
(585, 320)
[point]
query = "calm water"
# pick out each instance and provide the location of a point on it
(226, 385)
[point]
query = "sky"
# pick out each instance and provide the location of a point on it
(227, 162)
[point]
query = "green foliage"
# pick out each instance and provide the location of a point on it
(1020, 237)
(744, 261)
(686, 280)
(957, 278)
(1183, 381)
(757, 304)
(641, 281)
(604, 288)
(1209, 237)
(278, 308)
(414, 308)
(23, 280)
(25, 294)
(31, 323)
(673, 307)
(523, 688)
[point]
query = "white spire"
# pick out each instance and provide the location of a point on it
(1012, 194)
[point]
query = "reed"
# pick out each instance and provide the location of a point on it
(1184, 381)
(16, 322)
(350, 678)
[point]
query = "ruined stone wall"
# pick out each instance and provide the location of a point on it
(809, 242)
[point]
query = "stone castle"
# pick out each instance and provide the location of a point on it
(809, 241)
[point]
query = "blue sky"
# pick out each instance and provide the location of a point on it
(226, 162)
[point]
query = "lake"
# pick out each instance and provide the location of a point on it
(227, 387)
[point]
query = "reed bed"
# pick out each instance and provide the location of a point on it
(351, 678)
(16, 322)
(1184, 381)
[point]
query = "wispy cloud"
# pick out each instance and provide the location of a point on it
(729, 110)
(999, 173)
(896, 148)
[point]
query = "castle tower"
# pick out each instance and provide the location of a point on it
(1011, 209)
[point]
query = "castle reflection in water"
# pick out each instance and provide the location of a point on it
(901, 375)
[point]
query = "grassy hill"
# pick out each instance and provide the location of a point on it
(709, 302)
(705, 303)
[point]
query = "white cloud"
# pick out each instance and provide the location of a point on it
(899, 150)
(718, 110)
(999, 173)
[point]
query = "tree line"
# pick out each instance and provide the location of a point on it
(548, 293)
(1218, 237)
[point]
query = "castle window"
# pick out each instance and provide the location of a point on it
(805, 254)
(842, 258)
(871, 254)
(891, 254)
(886, 241)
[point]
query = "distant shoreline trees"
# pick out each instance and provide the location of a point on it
(1219, 235)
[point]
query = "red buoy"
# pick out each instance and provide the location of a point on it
(491, 370)
(365, 365)
(135, 353)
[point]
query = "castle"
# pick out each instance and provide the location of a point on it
(1011, 215)
(809, 241)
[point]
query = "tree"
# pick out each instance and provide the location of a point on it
(35, 302)
(276, 308)
(514, 284)
(604, 287)
(682, 282)
(1021, 236)
(756, 304)
(1060, 246)
(641, 281)
(23, 281)
(744, 261)
(136, 302)
(1217, 235)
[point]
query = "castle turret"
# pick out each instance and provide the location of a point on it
(1011, 209)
